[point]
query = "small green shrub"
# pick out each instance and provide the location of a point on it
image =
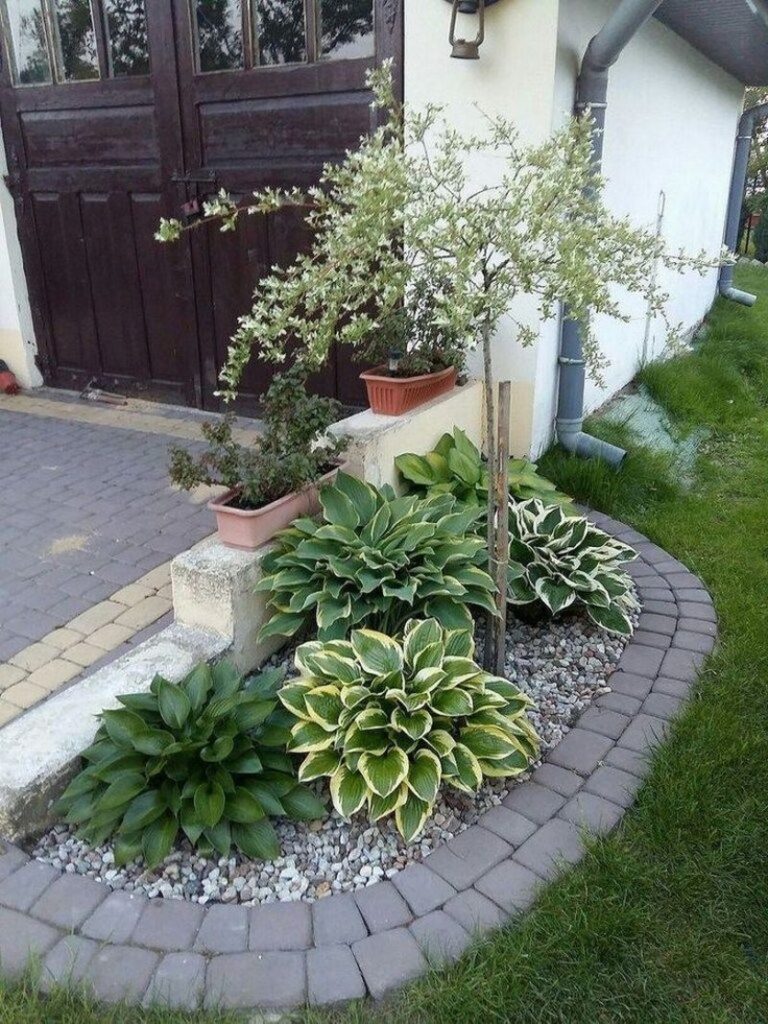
(376, 561)
(456, 467)
(389, 722)
(294, 450)
(205, 757)
(558, 560)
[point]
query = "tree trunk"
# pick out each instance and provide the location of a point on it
(501, 501)
(489, 658)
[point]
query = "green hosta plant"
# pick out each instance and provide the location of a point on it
(455, 466)
(390, 722)
(560, 560)
(376, 560)
(205, 758)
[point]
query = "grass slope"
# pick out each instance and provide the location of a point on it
(666, 922)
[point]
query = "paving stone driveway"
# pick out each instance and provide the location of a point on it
(86, 511)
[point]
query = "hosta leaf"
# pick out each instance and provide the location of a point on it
(453, 703)
(415, 724)
(264, 792)
(378, 654)
(281, 624)
(198, 684)
(424, 776)
(145, 809)
(251, 713)
(243, 807)
(157, 840)
(308, 737)
(362, 495)
(459, 643)
(556, 596)
(411, 817)
(316, 766)
(324, 706)
(122, 791)
(612, 619)
(127, 848)
(468, 767)
(302, 805)
(441, 741)
(449, 613)
(174, 705)
(372, 718)
(352, 696)
(378, 526)
(331, 609)
(258, 840)
(209, 803)
(248, 763)
(338, 508)
(220, 837)
(379, 807)
(219, 750)
(348, 791)
(368, 741)
(487, 742)
(384, 773)
(152, 742)
(141, 702)
(420, 635)
(122, 726)
(293, 696)
(416, 469)
(464, 466)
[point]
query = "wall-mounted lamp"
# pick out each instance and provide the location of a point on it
(468, 49)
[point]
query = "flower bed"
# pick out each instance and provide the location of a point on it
(562, 665)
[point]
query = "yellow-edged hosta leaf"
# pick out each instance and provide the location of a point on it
(468, 767)
(424, 775)
(293, 697)
(453, 703)
(308, 737)
(380, 806)
(348, 791)
(324, 706)
(386, 772)
(377, 653)
(415, 724)
(318, 765)
(411, 817)
(487, 742)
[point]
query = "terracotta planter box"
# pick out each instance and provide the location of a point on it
(393, 396)
(248, 529)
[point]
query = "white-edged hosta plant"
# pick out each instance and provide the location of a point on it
(205, 758)
(376, 560)
(389, 722)
(560, 560)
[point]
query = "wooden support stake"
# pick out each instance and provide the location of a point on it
(501, 501)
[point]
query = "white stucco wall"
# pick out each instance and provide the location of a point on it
(671, 126)
(17, 339)
(514, 77)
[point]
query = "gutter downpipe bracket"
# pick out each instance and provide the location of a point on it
(744, 136)
(592, 93)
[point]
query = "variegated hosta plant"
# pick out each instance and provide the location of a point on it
(376, 561)
(561, 560)
(390, 722)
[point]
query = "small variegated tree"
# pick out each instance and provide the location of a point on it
(407, 206)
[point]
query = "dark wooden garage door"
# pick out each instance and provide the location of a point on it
(115, 112)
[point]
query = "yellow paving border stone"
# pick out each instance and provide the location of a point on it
(44, 667)
(135, 415)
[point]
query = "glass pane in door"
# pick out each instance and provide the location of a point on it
(280, 31)
(126, 23)
(219, 35)
(346, 29)
(25, 36)
(77, 54)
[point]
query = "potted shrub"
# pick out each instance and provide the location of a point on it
(275, 481)
(416, 357)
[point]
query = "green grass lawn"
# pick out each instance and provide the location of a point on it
(666, 921)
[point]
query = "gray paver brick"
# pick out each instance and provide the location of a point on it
(700, 642)
(510, 885)
(382, 907)
(462, 861)
(115, 919)
(510, 825)
(641, 661)
(633, 761)
(613, 784)
(266, 980)
(535, 802)
(672, 687)
(224, 930)
(642, 636)
(11, 859)
(645, 732)
(118, 973)
(560, 779)
(281, 926)
(441, 938)
(553, 846)
(69, 901)
(67, 961)
(168, 925)
(606, 722)
(663, 705)
(333, 976)
(621, 702)
(705, 626)
(694, 610)
(581, 751)
(592, 812)
(664, 624)
(178, 982)
(21, 939)
(388, 960)
(630, 684)
(337, 920)
(475, 912)
(679, 664)
(422, 889)
(25, 886)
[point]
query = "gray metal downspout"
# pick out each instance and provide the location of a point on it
(592, 92)
(736, 200)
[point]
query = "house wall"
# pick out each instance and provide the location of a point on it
(671, 127)
(17, 338)
(513, 77)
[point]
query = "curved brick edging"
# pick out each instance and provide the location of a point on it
(124, 946)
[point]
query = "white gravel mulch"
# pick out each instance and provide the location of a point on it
(561, 665)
